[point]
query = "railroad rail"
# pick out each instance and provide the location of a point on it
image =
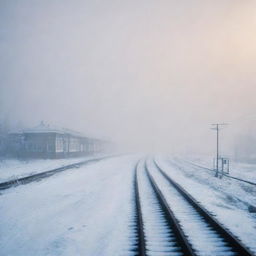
(233, 245)
(46, 174)
(141, 244)
(166, 229)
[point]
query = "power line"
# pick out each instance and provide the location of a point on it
(217, 128)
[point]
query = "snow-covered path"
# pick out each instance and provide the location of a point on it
(81, 213)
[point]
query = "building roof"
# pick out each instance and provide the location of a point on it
(46, 128)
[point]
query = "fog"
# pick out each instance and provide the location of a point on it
(147, 75)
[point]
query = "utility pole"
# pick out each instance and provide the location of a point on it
(217, 128)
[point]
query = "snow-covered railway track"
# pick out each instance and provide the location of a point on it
(45, 174)
(158, 233)
(205, 234)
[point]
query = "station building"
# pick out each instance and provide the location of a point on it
(44, 141)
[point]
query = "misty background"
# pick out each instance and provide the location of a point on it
(147, 75)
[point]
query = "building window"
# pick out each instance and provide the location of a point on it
(50, 148)
(34, 147)
(59, 144)
(74, 145)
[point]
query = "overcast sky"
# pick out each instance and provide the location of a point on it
(149, 74)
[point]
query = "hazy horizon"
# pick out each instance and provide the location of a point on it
(147, 75)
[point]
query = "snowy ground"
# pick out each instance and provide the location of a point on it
(13, 168)
(82, 213)
(227, 199)
(89, 211)
(240, 170)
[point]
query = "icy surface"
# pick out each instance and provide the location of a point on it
(85, 212)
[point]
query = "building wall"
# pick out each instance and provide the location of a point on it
(51, 145)
(15, 145)
(40, 145)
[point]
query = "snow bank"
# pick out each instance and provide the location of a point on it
(12, 168)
